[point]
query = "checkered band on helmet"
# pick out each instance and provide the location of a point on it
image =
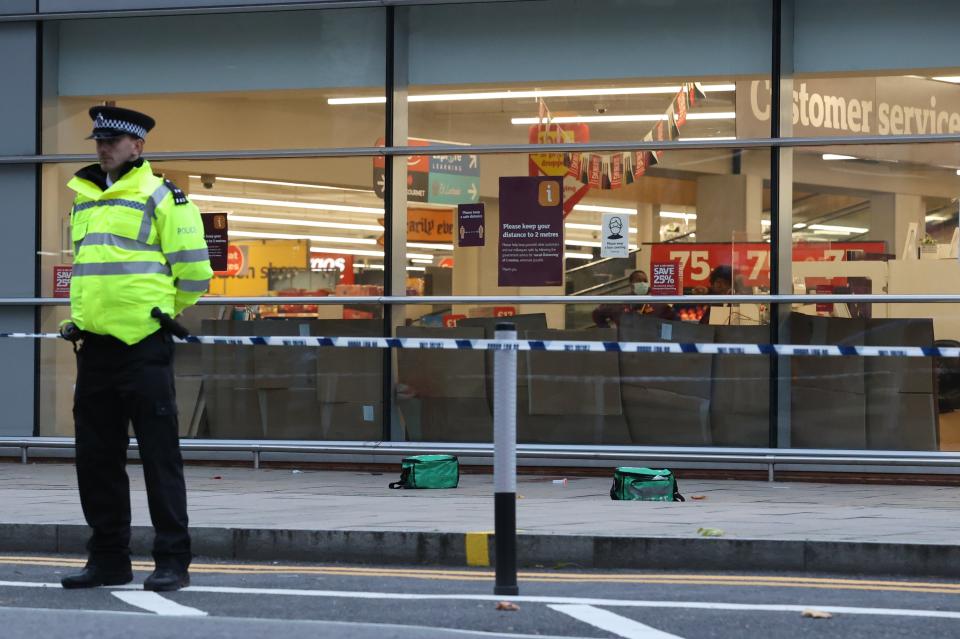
(119, 125)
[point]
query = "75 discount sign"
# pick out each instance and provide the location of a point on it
(750, 261)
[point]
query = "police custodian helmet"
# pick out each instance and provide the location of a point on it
(111, 122)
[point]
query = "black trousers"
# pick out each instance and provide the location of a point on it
(118, 384)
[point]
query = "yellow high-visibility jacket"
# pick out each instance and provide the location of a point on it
(138, 244)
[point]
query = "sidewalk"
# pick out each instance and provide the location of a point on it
(353, 517)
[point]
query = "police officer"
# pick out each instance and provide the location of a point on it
(138, 245)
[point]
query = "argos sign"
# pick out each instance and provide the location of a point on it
(333, 262)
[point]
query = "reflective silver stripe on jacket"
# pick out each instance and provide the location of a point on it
(130, 204)
(109, 239)
(193, 286)
(149, 211)
(192, 255)
(120, 268)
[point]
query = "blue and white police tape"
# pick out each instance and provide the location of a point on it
(558, 346)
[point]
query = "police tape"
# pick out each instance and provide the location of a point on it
(555, 346)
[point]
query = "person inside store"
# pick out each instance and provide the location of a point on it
(609, 315)
(140, 259)
(721, 283)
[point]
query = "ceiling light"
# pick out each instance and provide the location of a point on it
(604, 209)
(299, 185)
(345, 208)
(836, 156)
(800, 225)
(766, 223)
(427, 245)
(315, 223)
(840, 230)
(374, 267)
(534, 93)
(578, 256)
(312, 238)
(335, 251)
(958, 171)
(714, 139)
(319, 238)
(589, 227)
(641, 117)
(416, 268)
(936, 218)
(420, 261)
(678, 216)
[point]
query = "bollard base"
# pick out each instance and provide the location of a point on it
(505, 543)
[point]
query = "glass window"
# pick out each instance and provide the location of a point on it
(608, 70)
(209, 88)
(305, 227)
(688, 222)
(872, 220)
(864, 68)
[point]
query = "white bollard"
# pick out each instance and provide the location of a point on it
(505, 462)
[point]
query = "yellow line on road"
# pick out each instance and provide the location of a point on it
(824, 583)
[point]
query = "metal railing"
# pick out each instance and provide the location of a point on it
(883, 298)
(721, 458)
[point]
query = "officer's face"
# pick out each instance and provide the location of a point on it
(113, 153)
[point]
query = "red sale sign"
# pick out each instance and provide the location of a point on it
(749, 261)
(665, 278)
(61, 280)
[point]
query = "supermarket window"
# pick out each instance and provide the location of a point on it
(210, 89)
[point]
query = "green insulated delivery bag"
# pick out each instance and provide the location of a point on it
(644, 484)
(429, 471)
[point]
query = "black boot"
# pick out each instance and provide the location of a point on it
(166, 580)
(93, 576)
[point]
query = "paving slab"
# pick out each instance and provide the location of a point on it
(341, 514)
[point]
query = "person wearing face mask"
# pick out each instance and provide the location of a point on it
(639, 283)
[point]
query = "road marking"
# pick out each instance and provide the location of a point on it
(618, 625)
(478, 548)
(323, 626)
(587, 601)
(153, 602)
(820, 583)
(28, 584)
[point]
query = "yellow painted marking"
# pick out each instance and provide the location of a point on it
(820, 583)
(478, 552)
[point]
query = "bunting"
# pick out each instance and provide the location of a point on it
(607, 171)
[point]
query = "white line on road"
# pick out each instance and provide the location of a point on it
(610, 603)
(28, 584)
(153, 602)
(700, 605)
(606, 620)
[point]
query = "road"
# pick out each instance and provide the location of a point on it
(294, 601)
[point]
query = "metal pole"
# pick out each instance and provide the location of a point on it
(505, 462)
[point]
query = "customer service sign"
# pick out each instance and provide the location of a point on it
(853, 106)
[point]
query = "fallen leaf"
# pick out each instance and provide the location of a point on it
(507, 605)
(697, 497)
(710, 532)
(816, 614)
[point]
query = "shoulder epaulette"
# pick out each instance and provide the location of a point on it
(179, 197)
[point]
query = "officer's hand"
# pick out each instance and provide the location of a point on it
(70, 332)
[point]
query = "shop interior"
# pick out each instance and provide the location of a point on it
(879, 219)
